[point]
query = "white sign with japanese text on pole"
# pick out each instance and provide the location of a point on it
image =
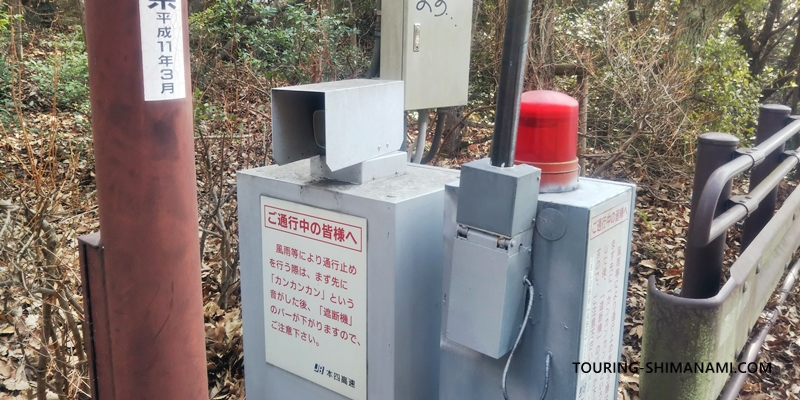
(161, 24)
(315, 294)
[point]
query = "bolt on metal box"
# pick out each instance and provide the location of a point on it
(427, 45)
(341, 292)
(581, 248)
(348, 121)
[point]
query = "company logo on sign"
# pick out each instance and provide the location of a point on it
(315, 228)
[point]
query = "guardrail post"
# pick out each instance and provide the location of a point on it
(771, 119)
(703, 265)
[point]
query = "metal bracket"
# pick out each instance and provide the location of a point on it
(749, 153)
(742, 200)
(380, 167)
(98, 335)
(792, 153)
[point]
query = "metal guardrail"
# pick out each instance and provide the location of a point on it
(705, 227)
(709, 325)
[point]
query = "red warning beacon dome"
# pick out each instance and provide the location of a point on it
(547, 138)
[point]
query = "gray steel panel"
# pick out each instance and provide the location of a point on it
(437, 75)
(363, 120)
(404, 256)
(558, 275)
(393, 14)
(499, 200)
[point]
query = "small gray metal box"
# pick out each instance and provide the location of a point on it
(363, 119)
(498, 200)
(427, 45)
(487, 292)
(403, 278)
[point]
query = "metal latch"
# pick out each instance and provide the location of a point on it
(416, 37)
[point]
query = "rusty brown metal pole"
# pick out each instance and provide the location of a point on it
(702, 269)
(771, 119)
(144, 296)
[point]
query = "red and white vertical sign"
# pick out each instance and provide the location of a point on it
(161, 25)
(315, 294)
(604, 296)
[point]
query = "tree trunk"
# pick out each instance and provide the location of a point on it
(451, 144)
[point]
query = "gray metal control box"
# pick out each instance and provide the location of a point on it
(426, 44)
(341, 292)
(581, 248)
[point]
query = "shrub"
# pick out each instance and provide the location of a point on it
(639, 89)
(727, 96)
(64, 76)
(6, 104)
(292, 45)
(5, 39)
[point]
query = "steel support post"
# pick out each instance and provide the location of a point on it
(771, 119)
(144, 297)
(512, 76)
(703, 266)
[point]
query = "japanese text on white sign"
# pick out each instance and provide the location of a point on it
(604, 296)
(161, 23)
(315, 294)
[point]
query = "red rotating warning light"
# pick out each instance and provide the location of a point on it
(547, 138)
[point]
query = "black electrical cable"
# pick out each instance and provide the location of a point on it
(519, 337)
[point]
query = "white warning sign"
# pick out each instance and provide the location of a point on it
(161, 23)
(604, 296)
(315, 294)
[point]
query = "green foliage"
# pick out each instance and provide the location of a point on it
(646, 86)
(636, 87)
(6, 104)
(5, 69)
(727, 94)
(485, 54)
(294, 45)
(64, 74)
